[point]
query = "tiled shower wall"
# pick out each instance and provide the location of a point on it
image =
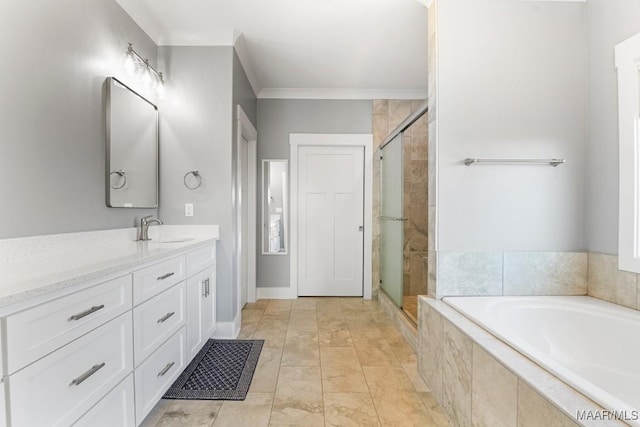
(387, 115)
(415, 208)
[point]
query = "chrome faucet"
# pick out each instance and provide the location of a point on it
(145, 222)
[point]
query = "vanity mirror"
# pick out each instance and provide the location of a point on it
(274, 207)
(132, 148)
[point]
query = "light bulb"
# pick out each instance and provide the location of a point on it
(160, 89)
(146, 79)
(129, 63)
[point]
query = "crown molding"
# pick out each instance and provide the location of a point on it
(328, 93)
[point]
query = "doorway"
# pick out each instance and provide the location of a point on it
(331, 215)
(246, 194)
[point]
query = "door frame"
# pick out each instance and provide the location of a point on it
(248, 132)
(296, 140)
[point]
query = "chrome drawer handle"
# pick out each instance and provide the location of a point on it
(206, 285)
(164, 276)
(165, 369)
(166, 316)
(87, 312)
(87, 374)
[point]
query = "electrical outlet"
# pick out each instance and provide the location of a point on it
(188, 209)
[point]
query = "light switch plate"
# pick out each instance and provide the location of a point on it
(188, 209)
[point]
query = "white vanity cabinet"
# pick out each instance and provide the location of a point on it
(104, 354)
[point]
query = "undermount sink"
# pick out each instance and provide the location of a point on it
(175, 240)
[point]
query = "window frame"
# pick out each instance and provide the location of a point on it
(627, 61)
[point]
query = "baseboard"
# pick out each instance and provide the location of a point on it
(274, 293)
(228, 330)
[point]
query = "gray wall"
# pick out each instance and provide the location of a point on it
(277, 118)
(56, 57)
(512, 84)
(609, 23)
(243, 93)
(197, 130)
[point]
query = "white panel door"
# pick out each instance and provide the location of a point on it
(330, 220)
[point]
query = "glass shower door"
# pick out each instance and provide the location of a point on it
(391, 219)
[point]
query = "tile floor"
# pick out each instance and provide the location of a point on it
(325, 362)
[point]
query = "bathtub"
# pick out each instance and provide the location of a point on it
(590, 344)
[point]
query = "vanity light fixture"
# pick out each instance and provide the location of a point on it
(136, 64)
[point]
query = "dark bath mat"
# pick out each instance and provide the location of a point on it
(222, 370)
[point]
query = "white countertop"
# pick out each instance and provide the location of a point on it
(39, 265)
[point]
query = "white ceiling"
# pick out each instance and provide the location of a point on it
(356, 49)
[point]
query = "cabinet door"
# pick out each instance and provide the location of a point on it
(209, 303)
(195, 296)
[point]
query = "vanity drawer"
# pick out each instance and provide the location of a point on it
(156, 278)
(200, 259)
(156, 320)
(59, 388)
(36, 332)
(158, 372)
(115, 409)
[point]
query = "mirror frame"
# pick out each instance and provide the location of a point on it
(109, 82)
(264, 207)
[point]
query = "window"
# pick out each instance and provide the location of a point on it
(628, 66)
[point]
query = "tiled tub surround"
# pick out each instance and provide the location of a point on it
(594, 350)
(39, 265)
(536, 273)
(511, 273)
(399, 320)
(479, 380)
(608, 283)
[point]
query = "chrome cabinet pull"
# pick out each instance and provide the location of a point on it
(207, 281)
(166, 316)
(87, 312)
(93, 370)
(164, 276)
(165, 369)
(204, 288)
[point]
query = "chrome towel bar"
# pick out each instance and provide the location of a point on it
(393, 218)
(550, 162)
